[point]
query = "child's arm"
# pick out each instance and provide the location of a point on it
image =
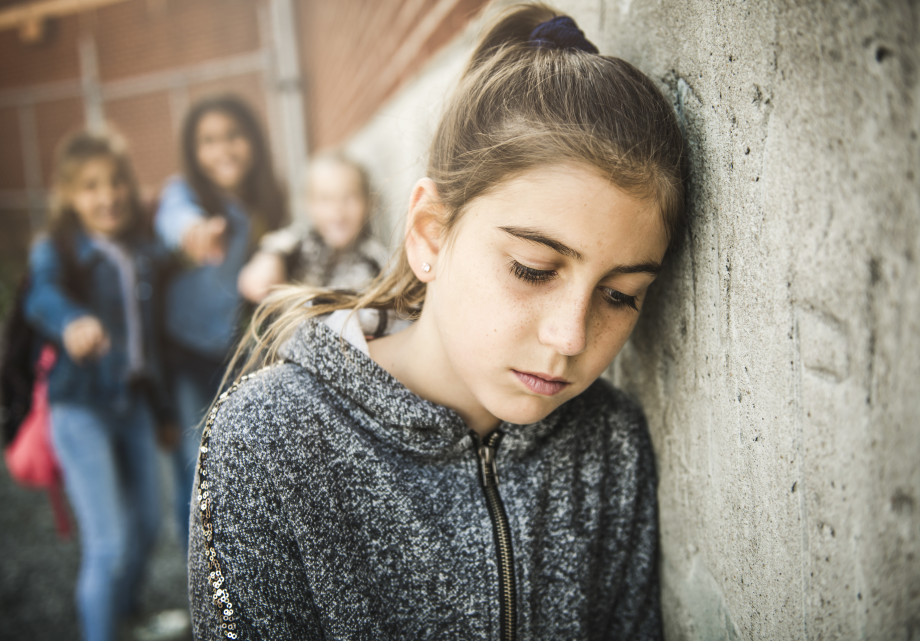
(262, 582)
(263, 271)
(182, 225)
(271, 264)
(56, 315)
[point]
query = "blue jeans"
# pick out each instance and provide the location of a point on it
(195, 381)
(108, 456)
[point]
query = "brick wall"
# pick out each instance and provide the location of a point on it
(152, 59)
(355, 54)
(141, 63)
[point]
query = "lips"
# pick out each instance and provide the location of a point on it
(542, 384)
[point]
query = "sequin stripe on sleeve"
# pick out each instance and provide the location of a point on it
(220, 596)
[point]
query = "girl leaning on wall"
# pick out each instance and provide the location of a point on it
(436, 457)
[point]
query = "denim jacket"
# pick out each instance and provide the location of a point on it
(50, 308)
(202, 301)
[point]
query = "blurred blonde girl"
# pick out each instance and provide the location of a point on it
(334, 248)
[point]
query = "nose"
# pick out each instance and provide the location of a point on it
(565, 326)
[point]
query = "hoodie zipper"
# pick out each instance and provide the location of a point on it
(489, 478)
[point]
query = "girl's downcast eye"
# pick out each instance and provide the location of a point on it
(613, 297)
(619, 299)
(531, 275)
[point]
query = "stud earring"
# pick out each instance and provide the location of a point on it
(426, 267)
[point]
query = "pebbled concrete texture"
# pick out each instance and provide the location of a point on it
(778, 357)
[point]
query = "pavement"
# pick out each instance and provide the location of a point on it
(38, 570)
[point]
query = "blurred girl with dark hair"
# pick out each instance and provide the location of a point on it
(212, 216)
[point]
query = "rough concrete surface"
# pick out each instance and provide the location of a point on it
(778, 358)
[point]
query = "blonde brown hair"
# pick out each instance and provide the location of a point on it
(519, 105)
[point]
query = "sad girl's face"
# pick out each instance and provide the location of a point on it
(536, 291)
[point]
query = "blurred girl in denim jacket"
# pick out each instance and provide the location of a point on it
(102, 421)
(213, 216)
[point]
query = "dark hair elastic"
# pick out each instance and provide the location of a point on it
(561, 33)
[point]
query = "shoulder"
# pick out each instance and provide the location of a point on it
(268, 408)
(43, 256)
(176, 190)
(47, 250)
(176, 184)
(285, 240)
(42, 246)
(278, 429)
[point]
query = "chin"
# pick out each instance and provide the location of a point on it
(340, 242)
(527, 412)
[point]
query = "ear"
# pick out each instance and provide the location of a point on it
(425, 225)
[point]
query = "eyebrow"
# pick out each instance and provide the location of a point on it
(534, 236)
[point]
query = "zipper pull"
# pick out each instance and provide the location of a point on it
(487, 466)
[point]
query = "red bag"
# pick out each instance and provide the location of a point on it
(30, 457)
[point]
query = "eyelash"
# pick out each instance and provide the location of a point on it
(537, 276)
(531, 275)
(619, 299)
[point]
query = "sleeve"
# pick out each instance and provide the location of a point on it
(178, 210)
(47, 307)
(246, 579)
(282, 241)
(637, 613)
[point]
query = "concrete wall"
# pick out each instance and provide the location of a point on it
(778, 358)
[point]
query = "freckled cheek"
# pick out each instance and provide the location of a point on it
(492, 314)
(519, 307)
(608, 337)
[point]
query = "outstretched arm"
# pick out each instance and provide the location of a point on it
(181, 224)
(259, 275)
(57, 315)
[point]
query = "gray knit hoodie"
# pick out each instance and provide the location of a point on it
(336, 504)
